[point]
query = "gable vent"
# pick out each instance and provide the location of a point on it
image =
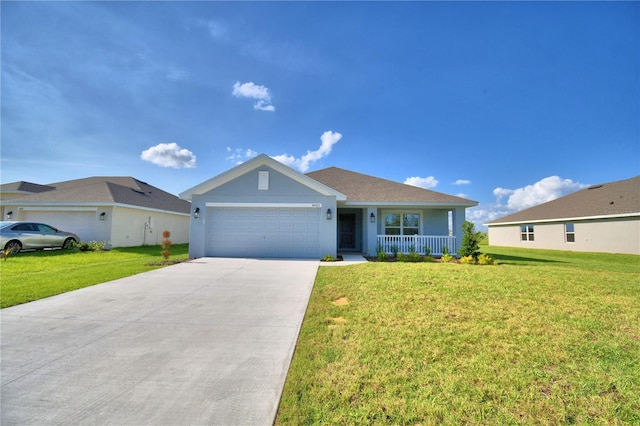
(263, 180)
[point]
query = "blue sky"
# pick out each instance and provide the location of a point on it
(506, 103)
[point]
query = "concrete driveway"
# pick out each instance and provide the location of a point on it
(203, 342)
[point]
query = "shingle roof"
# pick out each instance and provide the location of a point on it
(359, 187)
(22, 186)
(608, 199)
(110, 190)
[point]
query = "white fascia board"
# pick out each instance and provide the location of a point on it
(565, 219)
(266, 205)
(260, 160)
(87, 207)
(407, 204)
(148, 209)
(58, 209)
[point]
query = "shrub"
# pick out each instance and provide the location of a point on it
(447, 258)
(328, 258)
(470, 245)
(411, 257)
(467, 260)
(485, 259)
(89, 245)
(394, 250)
(382, 256)
(166, 244)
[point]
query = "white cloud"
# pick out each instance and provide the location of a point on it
(544, 190)
(215, 29)
(484, 213)
(461, 195)
(254, 91)
(422, 182)
(328, 139)
(462, 182)
(169, 155)
(263, 106)
(240, 155)
(176, 74)
(502, 192)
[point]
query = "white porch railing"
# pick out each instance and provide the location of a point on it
(434, 244)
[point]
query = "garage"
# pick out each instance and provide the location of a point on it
(263, 232)
(81, 223)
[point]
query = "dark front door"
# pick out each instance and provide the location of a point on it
(347, 230)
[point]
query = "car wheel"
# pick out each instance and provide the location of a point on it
(68, 243)
(14, 245)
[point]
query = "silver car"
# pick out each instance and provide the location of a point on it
(32, 235)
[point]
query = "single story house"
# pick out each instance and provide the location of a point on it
(600, 218)
(263, 208)
(123, 211)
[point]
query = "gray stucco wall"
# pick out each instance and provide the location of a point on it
(282, 189)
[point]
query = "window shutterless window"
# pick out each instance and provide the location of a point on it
(526, 232)
(401, 223)
(569, 233)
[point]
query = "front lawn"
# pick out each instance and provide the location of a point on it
(29, 276)
(547, 337)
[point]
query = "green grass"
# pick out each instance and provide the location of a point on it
(29, 276)
(547, 337)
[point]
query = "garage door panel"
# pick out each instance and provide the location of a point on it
(263, 232)
(80, 223)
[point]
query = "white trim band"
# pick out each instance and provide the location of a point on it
(267, 205)
(565, 219)
(59, 209)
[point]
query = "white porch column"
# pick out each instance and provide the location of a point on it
(458, 217)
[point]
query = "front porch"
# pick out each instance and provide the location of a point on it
(424, 230)
(423, 244)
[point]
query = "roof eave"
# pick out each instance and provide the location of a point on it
(407, 204)
(564, 219)
(63, 204)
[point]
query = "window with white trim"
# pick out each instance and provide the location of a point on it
(526, 233)
(569, 233)
(401, 223)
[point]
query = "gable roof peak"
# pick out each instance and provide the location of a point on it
(254, 163)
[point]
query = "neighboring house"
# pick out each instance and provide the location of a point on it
(601, 218)
(20, 189)
(121, 210)
(263, 208)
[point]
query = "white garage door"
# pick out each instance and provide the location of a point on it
(263, 232)
(80, 223)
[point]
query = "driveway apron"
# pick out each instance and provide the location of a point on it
(204, 342)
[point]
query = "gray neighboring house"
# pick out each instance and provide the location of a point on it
(121, 210)
(601, 218)
(263, 208)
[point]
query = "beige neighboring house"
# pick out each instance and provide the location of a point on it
(601, 218)
(123, 211)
